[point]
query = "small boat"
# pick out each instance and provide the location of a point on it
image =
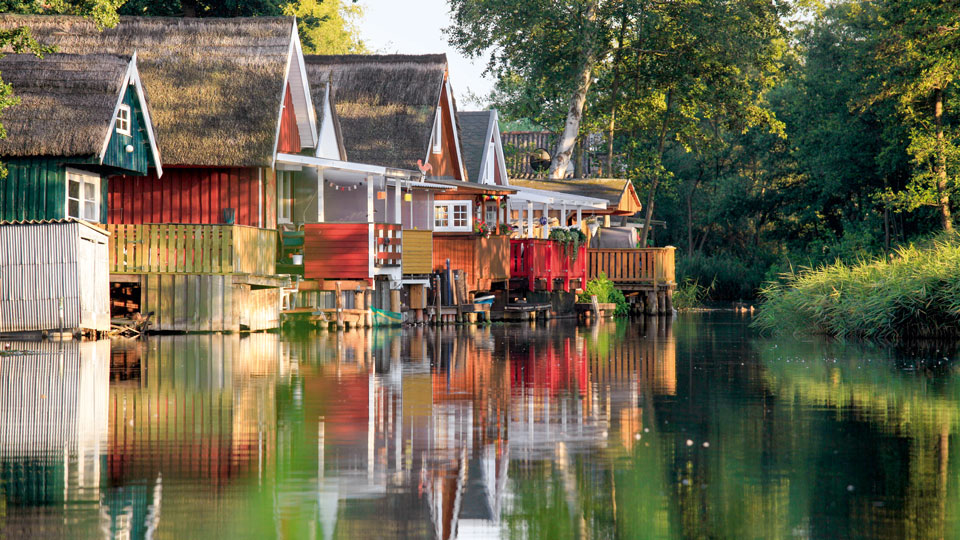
(484, 299)
(382, 317)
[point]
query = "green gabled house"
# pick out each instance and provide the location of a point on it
(80, 119)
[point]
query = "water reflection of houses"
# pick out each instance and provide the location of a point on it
(440, 416)
(53, 427)
(199, 410)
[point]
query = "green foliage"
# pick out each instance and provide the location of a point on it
(570, 240)
(606, 293)
(730, 278)
(915, 292)
(690, 294)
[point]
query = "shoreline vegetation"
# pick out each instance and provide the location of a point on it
(913, 292)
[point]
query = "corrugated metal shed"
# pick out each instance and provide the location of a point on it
(44, 263)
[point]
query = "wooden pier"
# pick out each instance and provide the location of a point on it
(648, 273)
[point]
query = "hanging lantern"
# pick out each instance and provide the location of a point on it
(381, 195)
(408, 197)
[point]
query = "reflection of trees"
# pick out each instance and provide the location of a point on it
(908, 416)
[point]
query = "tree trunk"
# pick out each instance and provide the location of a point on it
(648, 210)
(613, 93)
(942, 193)
(571, 129)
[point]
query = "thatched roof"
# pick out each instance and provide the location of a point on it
(474, 136)
(215, 85)
(611, 189)
(66, 103)
(385, 103)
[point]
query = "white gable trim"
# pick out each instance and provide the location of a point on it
(456, 137)
(493, 132)
(306, 114)
(327, 123)
(133, 77)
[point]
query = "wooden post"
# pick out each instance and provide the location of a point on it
(368, 314)
(320, 186)
(668, 301)
(595, 306)
(650, 303)
(436, 300)
(456, 295)
(358, 304)
(395, 300)
(529, 219)
(339, 306)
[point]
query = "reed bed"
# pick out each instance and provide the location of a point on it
(912, 293)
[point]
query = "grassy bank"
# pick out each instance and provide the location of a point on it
(913, 293)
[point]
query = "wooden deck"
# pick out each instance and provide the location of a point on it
(203, 249)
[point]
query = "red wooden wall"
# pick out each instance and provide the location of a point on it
(289, 133)
(336, 251)
(188, 195)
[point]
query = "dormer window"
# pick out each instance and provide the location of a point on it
(123, 120)
(437, 134)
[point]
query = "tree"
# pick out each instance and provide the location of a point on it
(554, 47)
(20, 40)
(325, 26)
(917, 59)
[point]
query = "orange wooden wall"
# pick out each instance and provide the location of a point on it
(446, 163)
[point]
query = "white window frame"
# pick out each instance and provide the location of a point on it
(284, 197)
(83, 178)
(123, 119)
(438, 132)
(450, 207)
(488, 208)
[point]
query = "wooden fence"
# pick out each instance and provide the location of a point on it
(633, 268)
(202, 249)
(485, 260)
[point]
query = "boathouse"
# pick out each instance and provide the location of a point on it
(80, 119)
(197, 247)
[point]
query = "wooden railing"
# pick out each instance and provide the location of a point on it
(646, 266)
(535, 259)
(203, 249)
(389, 242)
(417, 255)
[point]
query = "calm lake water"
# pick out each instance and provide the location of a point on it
(694, 429)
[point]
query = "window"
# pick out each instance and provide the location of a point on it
(123, 120)
(492, 209)
(438, 133)
(284, 196)
(83, 196)
(452, 216)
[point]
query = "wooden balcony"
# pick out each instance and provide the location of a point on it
(417, 256)
(535, 259)
(485, 260)
(634, 269)
(198, 249)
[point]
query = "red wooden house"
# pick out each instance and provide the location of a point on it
(198, 246)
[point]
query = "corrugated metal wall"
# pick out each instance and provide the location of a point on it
(40, 263)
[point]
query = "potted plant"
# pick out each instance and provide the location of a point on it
(480, 228)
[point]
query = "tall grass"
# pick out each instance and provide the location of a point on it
(913, 293)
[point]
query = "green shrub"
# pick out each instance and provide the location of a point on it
(606, 293)
(690, 294)
(913, 292)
